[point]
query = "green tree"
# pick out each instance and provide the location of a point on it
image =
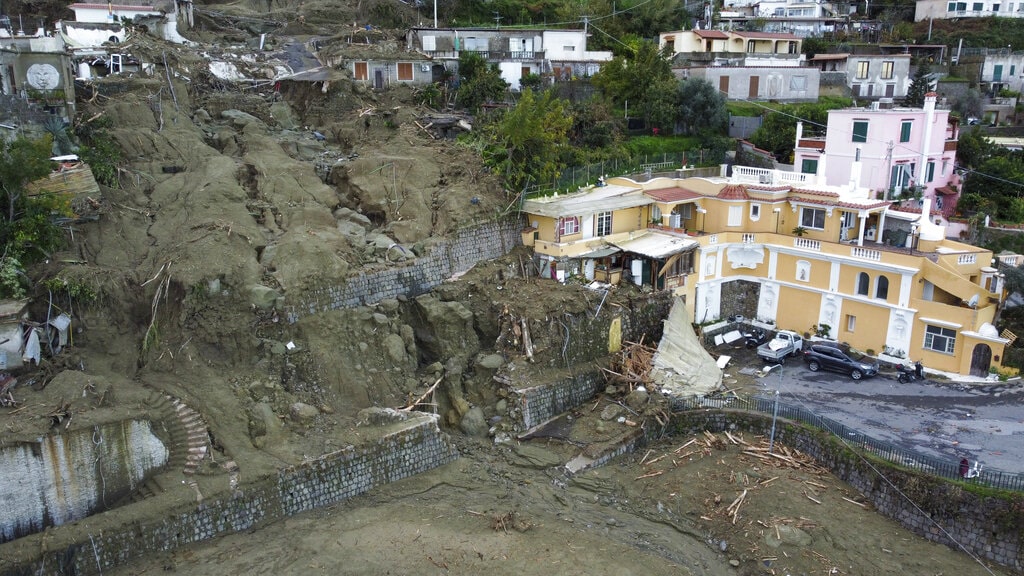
(27, 230)
(659, 105)
(972, 147)
(480, 82)
(997, 183)
(528, 143)
(594, 125)
(628, 78)
(919, 86)
(777, 133)
(701, 107)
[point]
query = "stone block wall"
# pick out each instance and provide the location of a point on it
(415, 448)
(469, 246)
(535, 406)
(990, 527)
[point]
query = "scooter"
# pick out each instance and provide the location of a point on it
(755, 337)
(910, 372)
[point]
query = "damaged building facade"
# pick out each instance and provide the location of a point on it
(808, 256)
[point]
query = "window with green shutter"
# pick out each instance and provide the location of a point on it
(809, 166)
(860, 131)
(905, 131)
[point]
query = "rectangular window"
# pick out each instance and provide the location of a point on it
(813, 218)
(929, 173)
(735, 216)
(604, 223)
(851, 323)
(905, 130)
(569, 48)
(808, 166)
(862, 69)
(887, 67)
(951, 7)
(978, 6)
(856, 89)
(995, 7)
(685, 211)
(361, 71)
(405, 70)
(798, 83)
(860, 130)
(570, 226)
(940, 339)
(755, 211)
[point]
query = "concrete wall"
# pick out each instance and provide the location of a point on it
(991, 528)
(471, 245)
(65, 477)
(416, 447)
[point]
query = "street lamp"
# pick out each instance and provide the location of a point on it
(775, 405)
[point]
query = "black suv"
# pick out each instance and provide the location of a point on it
(830, 357)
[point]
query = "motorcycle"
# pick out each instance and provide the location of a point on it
(910, 372)
(755, 337)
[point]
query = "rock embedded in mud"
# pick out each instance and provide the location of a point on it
(263, 297)
(302, 412)
(637, 399)
(611, 412)
(473, 422)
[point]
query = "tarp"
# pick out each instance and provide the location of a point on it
(681, 367)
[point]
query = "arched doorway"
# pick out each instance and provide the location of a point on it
(981, 359)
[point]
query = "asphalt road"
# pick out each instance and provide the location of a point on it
(941, 419)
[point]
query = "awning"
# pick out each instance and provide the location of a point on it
(656, 245)
(945, 191)
(601, 252)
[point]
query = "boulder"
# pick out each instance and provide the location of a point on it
(473, 422)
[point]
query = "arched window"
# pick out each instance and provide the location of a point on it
(882, 288)
(863, 281)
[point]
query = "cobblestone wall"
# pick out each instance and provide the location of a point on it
(538, 404)
(991, 528)
(471, 245)
(331, 478)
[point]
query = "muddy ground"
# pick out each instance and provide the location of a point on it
(230, 203)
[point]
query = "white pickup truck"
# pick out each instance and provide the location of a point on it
(785, 343)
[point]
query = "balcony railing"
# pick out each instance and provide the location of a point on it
(807, 244)
(501, 55)
(866, 253)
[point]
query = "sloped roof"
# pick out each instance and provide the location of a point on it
(675, 194)
(733, 192)
(590, 201)
(653, 244)
(713, 34)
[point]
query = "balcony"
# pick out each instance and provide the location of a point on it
(491, 55)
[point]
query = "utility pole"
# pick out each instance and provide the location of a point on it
(888, 171)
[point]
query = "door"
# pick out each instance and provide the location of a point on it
(437, 73)
(723, 86)
(378, 79)
(981, 359)
(997, 73)
(755, 85)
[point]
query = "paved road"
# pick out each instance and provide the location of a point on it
(943, 420)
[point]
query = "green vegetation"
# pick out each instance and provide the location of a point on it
(99, 150)
(527, 142)
(480, 82)
(27, 229)
(777, 133)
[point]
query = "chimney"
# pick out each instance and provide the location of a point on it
(929, 120)
(855, 170)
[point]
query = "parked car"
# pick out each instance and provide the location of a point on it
(832, 357)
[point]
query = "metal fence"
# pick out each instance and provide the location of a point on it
(853, 438)
(571, 179)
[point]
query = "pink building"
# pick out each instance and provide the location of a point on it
(900, 153)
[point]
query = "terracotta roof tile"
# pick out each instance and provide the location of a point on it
(676, 194)
(733, 192)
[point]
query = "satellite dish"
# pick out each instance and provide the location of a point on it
(973, 302)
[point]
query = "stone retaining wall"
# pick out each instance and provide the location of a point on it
(989, 527)
(115, 540)
(471, 245)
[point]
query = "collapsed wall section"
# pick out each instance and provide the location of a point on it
(449, 257)
(416, 446)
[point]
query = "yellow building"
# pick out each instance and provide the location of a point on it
(784, 249)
